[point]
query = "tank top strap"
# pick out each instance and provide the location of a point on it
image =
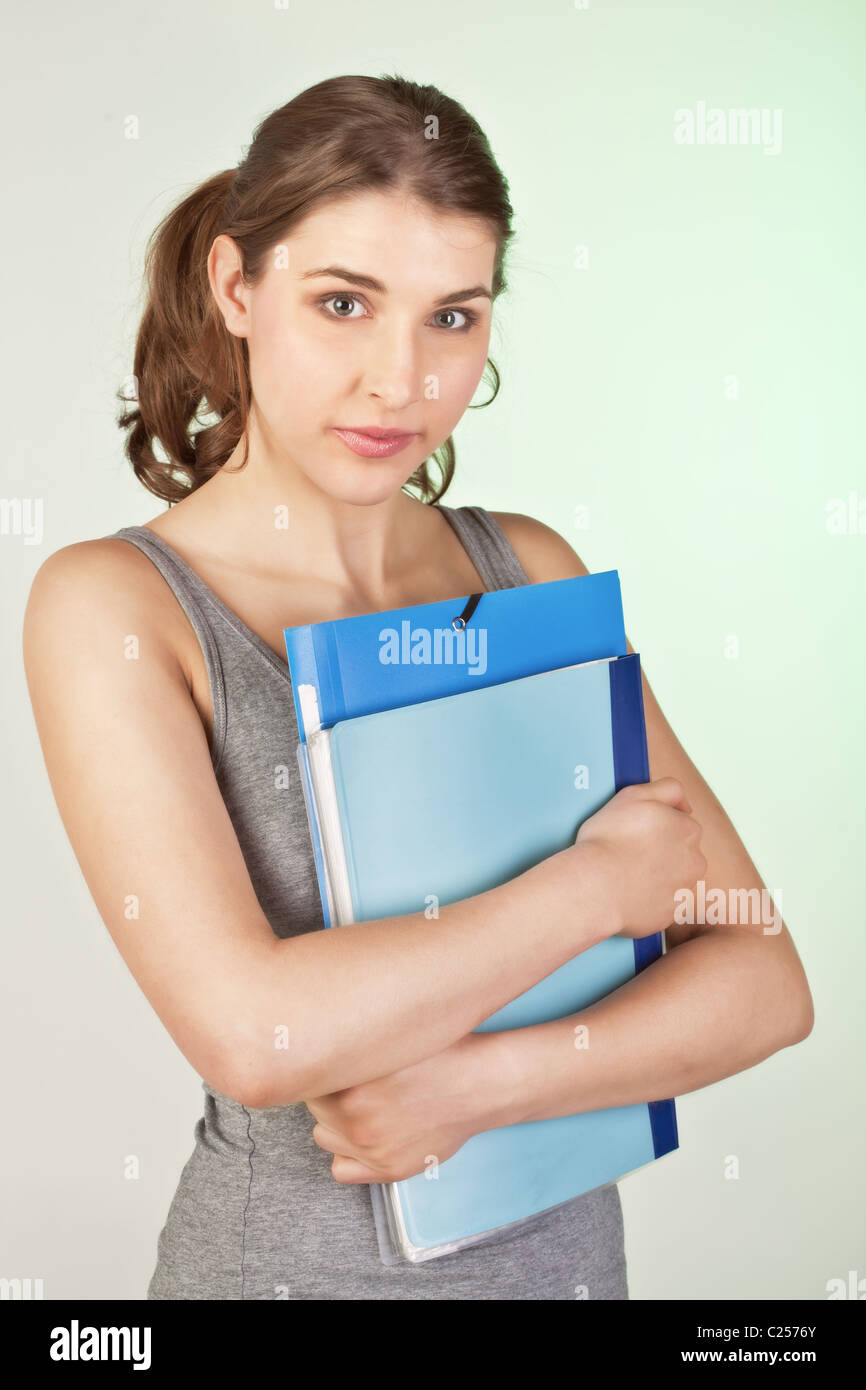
(488, 547)
(194, 597)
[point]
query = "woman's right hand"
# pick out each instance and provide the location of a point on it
(648, 841)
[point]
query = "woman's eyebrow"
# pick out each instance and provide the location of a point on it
(367, 282)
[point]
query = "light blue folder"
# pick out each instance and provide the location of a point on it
(445, 798)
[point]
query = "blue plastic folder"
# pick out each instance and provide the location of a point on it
(338, 671)
(425, 802)
(375, 661)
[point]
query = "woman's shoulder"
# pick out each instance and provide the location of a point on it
(541, 550)
(86, 591)
(100, 572)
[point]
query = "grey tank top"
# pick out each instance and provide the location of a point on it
(257, 1213)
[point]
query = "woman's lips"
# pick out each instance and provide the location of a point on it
(368, 446)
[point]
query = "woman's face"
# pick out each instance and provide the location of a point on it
(332, 351)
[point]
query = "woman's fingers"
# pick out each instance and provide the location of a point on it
(350, 1170)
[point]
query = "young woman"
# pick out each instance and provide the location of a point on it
(322, 315)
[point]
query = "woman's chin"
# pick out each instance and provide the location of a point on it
(364, 483)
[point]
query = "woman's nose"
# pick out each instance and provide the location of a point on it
(395, 372)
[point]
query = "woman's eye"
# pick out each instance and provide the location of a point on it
(466, 314)
(340, 299)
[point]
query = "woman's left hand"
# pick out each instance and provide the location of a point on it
(396, 1126)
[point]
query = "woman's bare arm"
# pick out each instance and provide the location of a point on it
(764, 955)
(131, 772)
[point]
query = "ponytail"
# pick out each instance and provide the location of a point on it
(184, 355)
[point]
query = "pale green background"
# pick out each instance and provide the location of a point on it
(704, 262)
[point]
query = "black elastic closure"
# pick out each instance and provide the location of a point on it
(461, 621)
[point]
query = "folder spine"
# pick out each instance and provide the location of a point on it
(302, 669)
(631, 765)
(332, 700)
(630, 758)
(315, 834)
(663, 1123)
(314, 660)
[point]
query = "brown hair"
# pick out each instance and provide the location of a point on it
(342, 136)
